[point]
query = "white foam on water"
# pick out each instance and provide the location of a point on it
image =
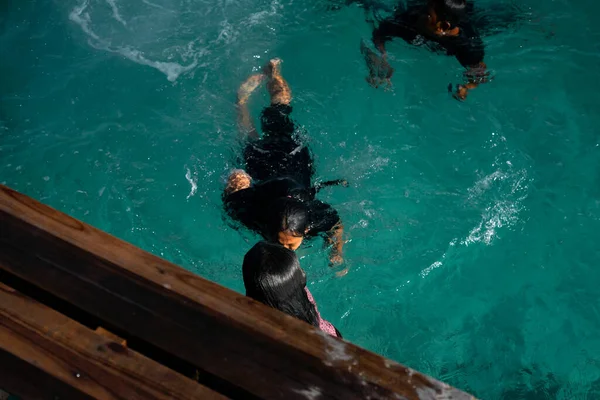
(156, 6)
(484, 184)
(507, 186)
(439, 263)
(115, 11)
(81, 17)
(501, 212)
(171, 69)
(193, 183)
(498, 215)
(259, 17)
(433, 266)
(227, 34)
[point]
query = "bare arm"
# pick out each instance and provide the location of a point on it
(380, 71)
(245, 123)
(470, 54)
(475, 76)
(379, 39)
(335, 238)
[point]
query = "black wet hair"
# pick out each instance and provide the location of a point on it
(449, 10)
(288, 214)
(273, 276)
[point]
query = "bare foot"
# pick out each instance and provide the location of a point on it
(248, 87)
(273, 67)
(277, 86)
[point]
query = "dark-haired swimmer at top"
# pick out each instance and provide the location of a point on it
(274, 196)
(434, 23)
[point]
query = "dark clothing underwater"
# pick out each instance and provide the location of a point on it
(407, 24)
(278, 153)
(282, 167)
(252, 206)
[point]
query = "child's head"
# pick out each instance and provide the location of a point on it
(289, 222)
(272, 275)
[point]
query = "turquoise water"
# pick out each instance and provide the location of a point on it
(472, 227)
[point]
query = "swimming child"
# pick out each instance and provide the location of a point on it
(273, 276)
(438, 24)
(274, 195)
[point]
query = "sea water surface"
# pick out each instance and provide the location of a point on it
(473, 228)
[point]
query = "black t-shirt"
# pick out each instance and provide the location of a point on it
(252, 206)
(467, 47)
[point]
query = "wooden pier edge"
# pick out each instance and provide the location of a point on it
(44, 354)
(225, 334)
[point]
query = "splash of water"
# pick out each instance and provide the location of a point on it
(504, 190)
(500, 213)
(192, 182)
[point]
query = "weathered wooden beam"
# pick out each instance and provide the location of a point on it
(45, 355)
(31, 383)
(265, 352)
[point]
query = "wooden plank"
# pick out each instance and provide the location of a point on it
(265, 352)
(101, 331)
(44, 354)
(31, 383)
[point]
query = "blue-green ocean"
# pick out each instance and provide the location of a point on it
(473, 228)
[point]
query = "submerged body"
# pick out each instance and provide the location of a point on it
(274, 196)
(445, 26)
(414, 26)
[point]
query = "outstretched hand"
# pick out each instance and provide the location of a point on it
(380, 74)
(461, 93)
(380, 70)
(335, 260)
(475, 76)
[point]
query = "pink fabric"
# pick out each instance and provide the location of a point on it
(325, 326)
